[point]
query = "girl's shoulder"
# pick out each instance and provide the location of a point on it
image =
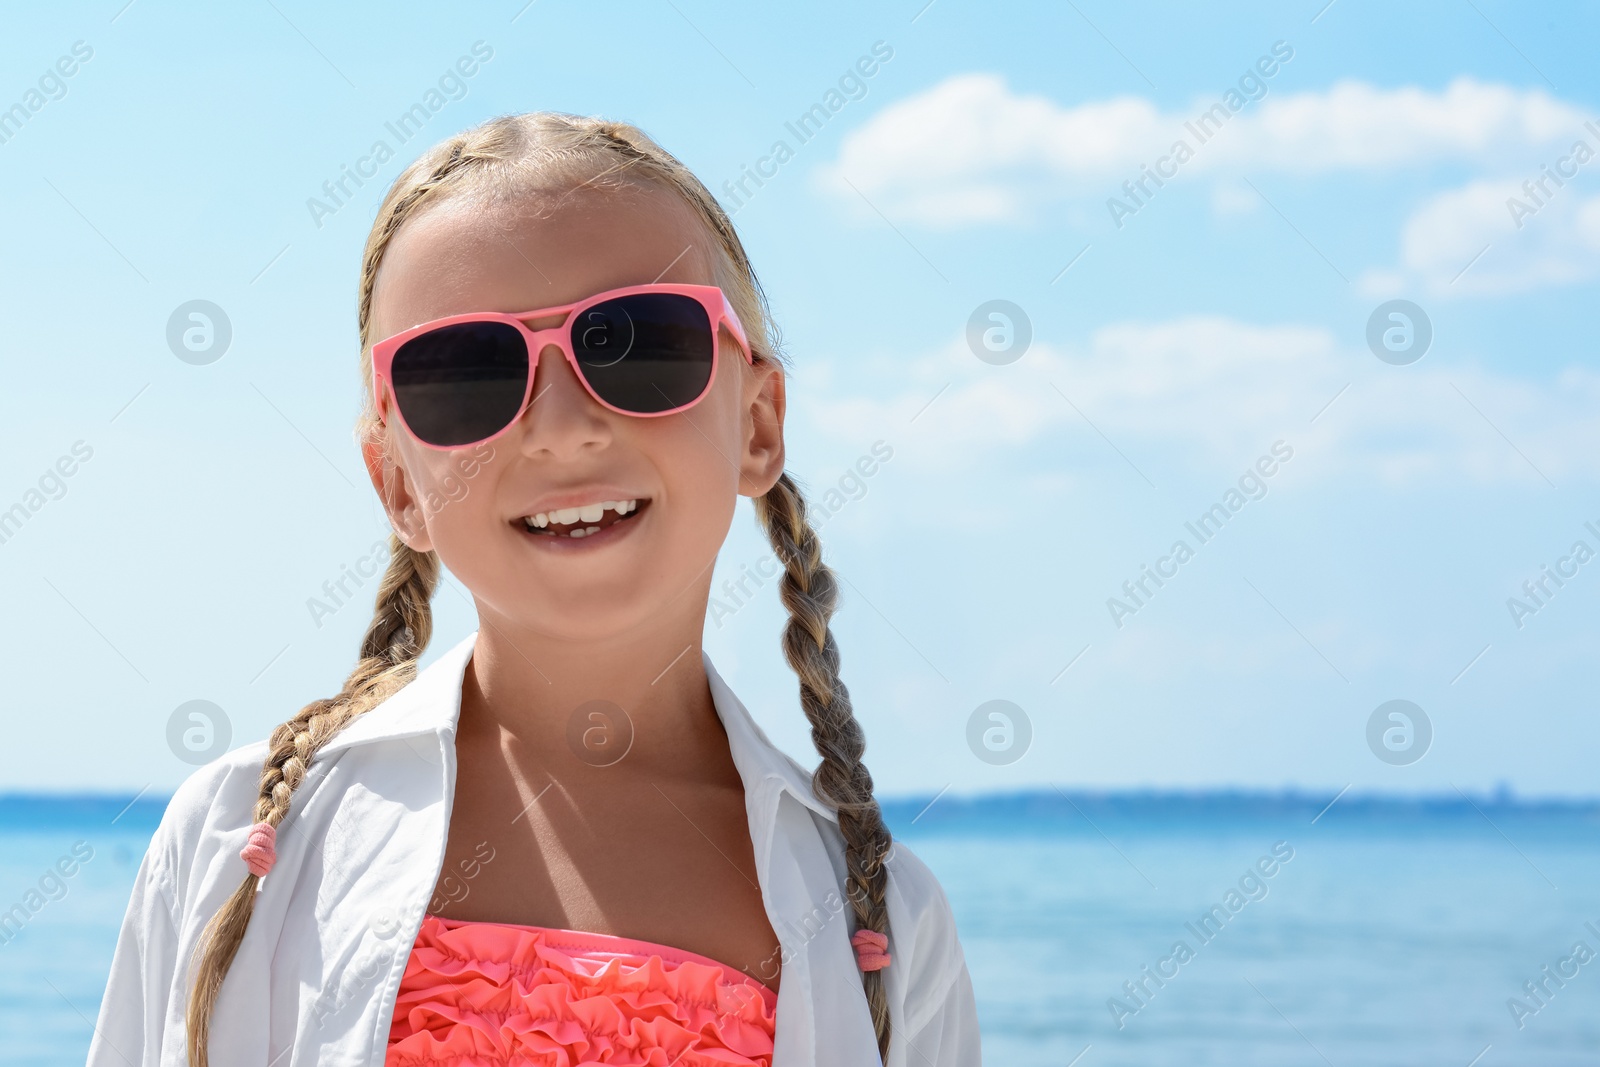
(922, 922)
(208, 811)
(396, 741)
(209, 817)
(926, 931)
(922, 925)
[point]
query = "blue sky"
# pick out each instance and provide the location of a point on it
(1226, 316)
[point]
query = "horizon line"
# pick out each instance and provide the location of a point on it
(1499, 793)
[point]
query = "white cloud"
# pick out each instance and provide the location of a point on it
(1207, 392)
(1356, 126)
(1469, 241)
(965, 150)
(970, 150)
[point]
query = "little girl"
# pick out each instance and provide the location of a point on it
(566, 841)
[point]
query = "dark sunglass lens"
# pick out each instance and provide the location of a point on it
(647, 352)
(460, 384)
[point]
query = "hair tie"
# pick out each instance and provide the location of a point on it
(872, 950)
(261, 851)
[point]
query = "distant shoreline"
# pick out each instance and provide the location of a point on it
(990, 811)
(1175, 808)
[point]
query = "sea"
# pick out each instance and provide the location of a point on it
(1250, 929)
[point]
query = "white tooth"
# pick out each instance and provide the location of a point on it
(588, 513)
(577, 533)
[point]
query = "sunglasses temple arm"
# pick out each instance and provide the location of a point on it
(378, 395)
(738, 327)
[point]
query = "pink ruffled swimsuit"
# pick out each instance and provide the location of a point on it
(480, 993)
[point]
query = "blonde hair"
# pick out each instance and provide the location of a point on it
(503, 159)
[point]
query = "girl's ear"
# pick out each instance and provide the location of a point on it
(761, 464)
(394, 489)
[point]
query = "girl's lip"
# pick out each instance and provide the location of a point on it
(565, 543)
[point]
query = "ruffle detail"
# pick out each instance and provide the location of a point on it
(476, 994)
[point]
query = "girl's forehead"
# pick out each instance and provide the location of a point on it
(466, 254)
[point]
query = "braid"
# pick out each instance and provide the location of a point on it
(400, 628)
(810, 593)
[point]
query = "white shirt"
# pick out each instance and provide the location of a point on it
(316, 977)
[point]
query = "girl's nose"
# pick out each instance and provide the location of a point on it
(562, 418)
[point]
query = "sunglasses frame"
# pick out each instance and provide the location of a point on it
(718, 308)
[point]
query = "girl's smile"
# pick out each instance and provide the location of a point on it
(583, 527)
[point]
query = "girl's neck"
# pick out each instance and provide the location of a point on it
(645, 694)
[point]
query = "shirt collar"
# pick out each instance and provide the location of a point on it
(431, 703)
(756, 757)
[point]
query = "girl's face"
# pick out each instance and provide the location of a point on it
(685, 470)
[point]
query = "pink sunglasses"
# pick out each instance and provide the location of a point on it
(641, 350)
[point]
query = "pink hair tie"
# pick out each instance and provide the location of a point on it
(261, 851)
(872, 950)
